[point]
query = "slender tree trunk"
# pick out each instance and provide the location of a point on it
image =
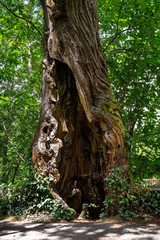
(80, 133)
(4, 151)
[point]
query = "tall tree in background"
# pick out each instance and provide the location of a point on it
(130, 37)
(80, 132)
(20, 78)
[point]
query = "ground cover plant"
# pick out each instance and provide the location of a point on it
(30, 197)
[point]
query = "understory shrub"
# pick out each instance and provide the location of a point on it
(127, 199)
(30, 197)
(90, 211)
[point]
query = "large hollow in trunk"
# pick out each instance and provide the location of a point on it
(80, 133)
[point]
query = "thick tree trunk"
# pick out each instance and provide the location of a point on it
(80, 132)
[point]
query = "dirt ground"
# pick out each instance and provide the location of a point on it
(109, 229)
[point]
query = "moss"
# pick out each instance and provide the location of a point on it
(113, 111)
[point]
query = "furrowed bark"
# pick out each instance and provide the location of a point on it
(80, 133)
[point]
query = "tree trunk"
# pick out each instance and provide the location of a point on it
(80, 133)
(4, 151)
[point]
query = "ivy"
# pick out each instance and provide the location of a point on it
(131, 201)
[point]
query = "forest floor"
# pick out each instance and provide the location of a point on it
(110, 229)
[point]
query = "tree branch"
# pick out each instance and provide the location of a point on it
(128, 82)
(114, 37)
(119, 50)
(119, 14)
(21, 18)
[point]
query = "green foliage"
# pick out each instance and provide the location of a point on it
(130, 201)
(86, 210)
(130, 34)
(30, 197)
(20, 79)
(60, 213)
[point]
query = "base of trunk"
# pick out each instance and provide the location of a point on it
(70, 149)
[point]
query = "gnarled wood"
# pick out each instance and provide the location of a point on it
(80, 132)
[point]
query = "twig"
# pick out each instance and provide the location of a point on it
(114, 37)
(120, 50)
(21, 18)
(119, 14)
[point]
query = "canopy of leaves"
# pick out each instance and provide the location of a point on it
(20, 80)
(130, 38)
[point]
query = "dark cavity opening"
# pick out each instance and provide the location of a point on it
(45, 129)
(77, 161)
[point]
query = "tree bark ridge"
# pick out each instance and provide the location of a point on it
(80, 133)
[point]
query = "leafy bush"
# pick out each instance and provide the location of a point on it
(30, 197)
(89, 210)
(130, 201)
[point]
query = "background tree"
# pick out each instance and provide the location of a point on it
(130, 36)
(20, 74)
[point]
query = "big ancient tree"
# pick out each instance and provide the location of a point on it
(80, 135)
